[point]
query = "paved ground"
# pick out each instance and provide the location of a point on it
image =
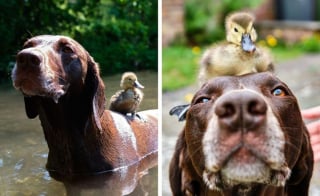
(302, 75)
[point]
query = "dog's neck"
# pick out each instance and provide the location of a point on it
(72, 139)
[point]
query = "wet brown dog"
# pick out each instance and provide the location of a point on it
(243, 136)
(61, 84)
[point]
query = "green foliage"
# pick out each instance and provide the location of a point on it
(119, 34)
(200, 22)
(125, 38)
(311, 44)
(179, 67)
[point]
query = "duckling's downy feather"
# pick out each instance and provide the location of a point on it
(129, 98)
(241, 18)
(231, 57)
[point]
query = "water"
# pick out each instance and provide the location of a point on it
(23, 152)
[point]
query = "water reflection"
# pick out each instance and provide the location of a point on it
(132, 180)
(23, 149)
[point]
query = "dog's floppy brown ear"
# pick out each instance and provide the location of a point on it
(31, 107)
(175, 172)
(95, 88)
(302, 171)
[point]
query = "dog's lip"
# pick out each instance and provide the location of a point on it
(273, 173)
(243, 154)
(50, 90)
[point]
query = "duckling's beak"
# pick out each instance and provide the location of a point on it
(138, 85)
(247, 44)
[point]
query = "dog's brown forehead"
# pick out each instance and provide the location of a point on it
(237, 82)
(49, 40)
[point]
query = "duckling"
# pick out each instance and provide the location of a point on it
(129, 98)
(237, 55)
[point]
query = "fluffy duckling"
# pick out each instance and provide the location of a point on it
(238, 55)
(129, 98)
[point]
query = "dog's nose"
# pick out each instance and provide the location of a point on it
(241, 110)
(29, 58)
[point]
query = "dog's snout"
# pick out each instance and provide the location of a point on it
(241, 110)
(29, 58)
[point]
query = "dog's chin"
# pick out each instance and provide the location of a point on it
(235, 173)
(51, 91)
(244, 175)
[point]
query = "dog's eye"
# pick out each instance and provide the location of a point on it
(202, 100)
(67, 49)
(28, 45)
(236, 30)
(279, 92)
(205, 100)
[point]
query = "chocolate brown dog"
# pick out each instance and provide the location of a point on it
(243, 135)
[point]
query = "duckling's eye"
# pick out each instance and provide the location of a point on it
(236, 30)
(279, 92)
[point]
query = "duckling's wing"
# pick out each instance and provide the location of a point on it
(117, 96)
(264, 60)
(180, 111)
(217, 60)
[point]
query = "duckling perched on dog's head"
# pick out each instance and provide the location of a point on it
(129, 98)
(238, 55)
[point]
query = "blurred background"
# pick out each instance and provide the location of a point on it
(189, 26)
(289, 28)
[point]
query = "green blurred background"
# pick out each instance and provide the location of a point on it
(204, 26)
(121, 35)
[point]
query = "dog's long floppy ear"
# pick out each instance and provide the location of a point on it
(175, 172)
(31, 107)
(302, 171)
(176, 177)
(95, 88)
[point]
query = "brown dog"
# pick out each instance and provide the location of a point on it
(61, 83)
(244, 135)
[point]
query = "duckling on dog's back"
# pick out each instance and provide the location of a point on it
(129, 98)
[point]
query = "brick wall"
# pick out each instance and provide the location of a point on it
(172, 20)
